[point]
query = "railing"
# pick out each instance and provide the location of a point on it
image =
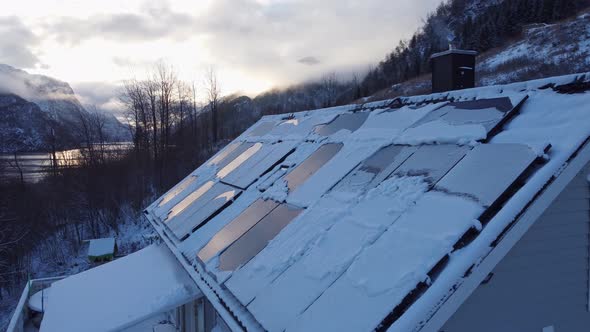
(22, 312)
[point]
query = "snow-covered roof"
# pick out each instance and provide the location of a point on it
(118, 294)
(101, 247)
(347, 218)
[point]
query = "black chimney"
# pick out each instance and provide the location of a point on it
(453, 70)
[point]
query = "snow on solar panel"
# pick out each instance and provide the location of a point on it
(486, 112)
(236, 228)
(487, 171)
(177, 189)
(188, 200)
(432, 161)
(310, 165)
(349, 121)
(381, 159)
(231, 166)
(257, 237)
(262, 129)
(375, 168)
(228, 153)
(276, 307)
(288, 246)
(386, 124)
(387, 270)
(262, 161)
(201, 208)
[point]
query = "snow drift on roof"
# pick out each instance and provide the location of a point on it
(120, 293)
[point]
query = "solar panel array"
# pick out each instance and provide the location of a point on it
(352, 264)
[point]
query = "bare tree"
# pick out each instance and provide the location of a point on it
(329, 88)
(135, 100)
(213, 96)
(150, 88)
(16, 165)
(166, 81)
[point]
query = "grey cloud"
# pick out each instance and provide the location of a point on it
(149, 24)
(16, 43)
(103, 95)
(309, 60)
(263, 39)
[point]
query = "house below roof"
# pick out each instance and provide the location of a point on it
(144, 291)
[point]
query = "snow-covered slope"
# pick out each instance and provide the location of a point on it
(56, 100)
(543, 50)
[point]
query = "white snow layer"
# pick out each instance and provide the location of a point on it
(101, 247)
(120, 293)
(350, 257)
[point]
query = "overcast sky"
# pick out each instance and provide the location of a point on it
(254, 44)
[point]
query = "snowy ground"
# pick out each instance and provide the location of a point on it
(134, 233)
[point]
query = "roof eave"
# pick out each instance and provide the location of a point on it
(227, 316)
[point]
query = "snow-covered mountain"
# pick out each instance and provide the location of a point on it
(23, 125)
(32, 105)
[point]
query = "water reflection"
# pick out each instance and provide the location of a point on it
(35, 165)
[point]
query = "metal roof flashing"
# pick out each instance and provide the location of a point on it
(453, 51)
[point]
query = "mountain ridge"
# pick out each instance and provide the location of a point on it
(58, 109)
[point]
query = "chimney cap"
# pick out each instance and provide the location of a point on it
(453, 51)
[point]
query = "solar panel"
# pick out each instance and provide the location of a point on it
(502, 104)
(257, 237)
(381, 159)
(209, 200)
(247, 154)
(432, 161)
(261, 162)
(310, 165)
(326, 259)
(262, 129)
(190, 199)
(487, 112)
(224, 153)
(487, 171)
(230, 153)
(236, 228)
(349, 121)
(385, 272)
(375, 169)
(177, 189)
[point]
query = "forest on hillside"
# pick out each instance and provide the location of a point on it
(467, 24)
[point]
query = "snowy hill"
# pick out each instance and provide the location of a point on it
(56, 107)
(542, 50)
(545, 49)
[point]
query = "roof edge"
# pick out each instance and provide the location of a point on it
(227, 316)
